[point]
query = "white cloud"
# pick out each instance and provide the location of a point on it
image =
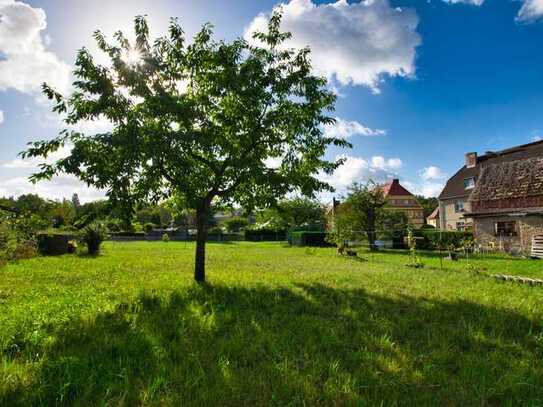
(26, 63)
(345, 129)
(33, 163)
(537, 138)
(428, 189)
(1, 117)
(531, 10)
(473, 2)
(357, 169)
(432, 172)
(355, 43)
(59, 187)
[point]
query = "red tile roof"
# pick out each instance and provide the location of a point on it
(393, 188)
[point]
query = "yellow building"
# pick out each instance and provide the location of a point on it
(400, 199)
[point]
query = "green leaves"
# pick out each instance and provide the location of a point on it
(196, 121)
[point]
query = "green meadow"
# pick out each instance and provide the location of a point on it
(274, 325)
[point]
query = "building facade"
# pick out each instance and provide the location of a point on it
(400, 199)
(504, 203)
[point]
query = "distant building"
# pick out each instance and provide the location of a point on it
(400, 199)
(433, 218)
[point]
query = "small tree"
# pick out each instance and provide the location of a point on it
(360, 212)
(301, 211)
(198, 121)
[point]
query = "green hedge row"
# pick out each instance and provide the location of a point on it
(307, 238)
(261, 235)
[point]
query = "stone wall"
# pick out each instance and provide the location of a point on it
(526, 226)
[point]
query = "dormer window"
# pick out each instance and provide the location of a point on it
(469, 183)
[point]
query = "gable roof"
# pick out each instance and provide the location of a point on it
(394, 188)
(434, 214)
(454, 187)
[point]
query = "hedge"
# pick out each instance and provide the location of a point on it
(307, 238)
(260, 235)
(54, 244)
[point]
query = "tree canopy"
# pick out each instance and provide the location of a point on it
(198, 120)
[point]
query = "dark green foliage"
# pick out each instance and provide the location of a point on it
(309, 238)
(93, 235)
(54, 244)
(148, 227)
(196, 121)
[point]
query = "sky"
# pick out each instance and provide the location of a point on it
(419, 82)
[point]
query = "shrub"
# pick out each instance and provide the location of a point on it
(165, 237)
(53, 243)
(215, 230)
(25, 250)
(264, 234)
(149, 227)
(235, 224)
(93, 235)
(308, 238)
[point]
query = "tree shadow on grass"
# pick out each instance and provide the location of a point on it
(311, 344)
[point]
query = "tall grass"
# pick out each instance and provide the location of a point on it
(274, 326)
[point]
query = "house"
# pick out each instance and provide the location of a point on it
(433, 218)
(499, 195)
(453, 200)
(400, 199)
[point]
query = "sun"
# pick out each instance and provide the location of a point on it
(132, 56)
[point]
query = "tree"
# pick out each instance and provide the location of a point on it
(75, 201)
(360, 212)
(235, 224)
(198, 121)
(301, 211)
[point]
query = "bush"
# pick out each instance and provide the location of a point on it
(235, 224)
(54, 243)
(215, 230)
(165, 237)
(149, 227)
(435, 239)
(93, 235)
(308, 238)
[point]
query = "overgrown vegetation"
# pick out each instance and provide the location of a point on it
(274, 326)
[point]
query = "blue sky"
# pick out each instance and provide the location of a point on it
(419, 82)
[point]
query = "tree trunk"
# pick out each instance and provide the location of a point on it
(201, 238)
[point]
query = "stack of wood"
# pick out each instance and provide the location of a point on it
(518, 279)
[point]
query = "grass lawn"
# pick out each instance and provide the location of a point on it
(274, 326)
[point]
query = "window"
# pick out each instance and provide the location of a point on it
(506, 228)
(461, 226)
(469, 183)
(459, 206)
(407, 202)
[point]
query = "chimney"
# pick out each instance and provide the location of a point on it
(395, 181)
(471, 160)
